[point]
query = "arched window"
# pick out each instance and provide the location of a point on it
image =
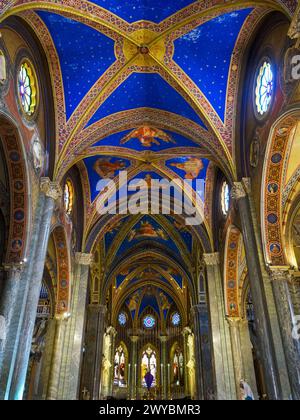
(27, 88)
(120, 367)
(122, 318)
(264, 88)
(225, 198)
(149, 365)
(68, 197)
(178, 368)
(175, 319)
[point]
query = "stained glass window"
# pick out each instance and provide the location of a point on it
(175, 319)
(122, 319)
(149, 321)
(264, 88)
(68, 197)
(149, 365)
(27, 88)
(225, 198)
(120, 367)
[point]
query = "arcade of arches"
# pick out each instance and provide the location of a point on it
(101, 296)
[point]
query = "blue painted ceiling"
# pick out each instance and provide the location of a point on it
(134, 10)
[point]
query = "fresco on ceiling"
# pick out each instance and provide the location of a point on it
(133, 300)
(149, 300)
(176, 276)
(147, 229)
(184, 232)
(111, 235)
(103, 167)
(205, 55)
(134, 10)
(146, 138)
(84, 55)
(191, 169)
(145, 90)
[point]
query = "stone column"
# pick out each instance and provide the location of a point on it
(262, 321)
(247, 356)
(8, 299)
(133, 363)
(55, 367)
(164, 362)
(236, 351)
(91, 375)
(221, 344)
(107, 363)
(69, 383)
(242, 354)
(185, 333)
(10, 345)
(280, 283)
(198, 357)
(51, 192)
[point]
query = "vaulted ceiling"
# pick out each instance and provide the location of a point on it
(150, 87)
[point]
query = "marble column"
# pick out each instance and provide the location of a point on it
(8, 299)
(51, 192)
(236, 351)
(247, 356)
(107, 362)
(56, 360)
(242, 354)
(280, 283)
(72, 358)
(13, 332)
(262, 321)
(221, 344)
(198, 356)
(133, 363)
(92, 363)
(185, 333)
(164, 362)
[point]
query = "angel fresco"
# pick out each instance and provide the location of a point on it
(106, 168)
(148, 231)
(147, 136)
(192, 167)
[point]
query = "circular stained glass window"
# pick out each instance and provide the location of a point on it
(27, 88)
(149, 321)
(175, 319)
(225, 198)
(68, 197)
(122, 319)
(264, 89)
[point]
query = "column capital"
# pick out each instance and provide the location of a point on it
(134, 338)
(84, 259)
(234, 321)
(247, 185)
(280, 273)
(212, 259)
(51, 189)
(238, 191)
(97, 308)
(294, 30)
(14, 269)
(163, 338)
